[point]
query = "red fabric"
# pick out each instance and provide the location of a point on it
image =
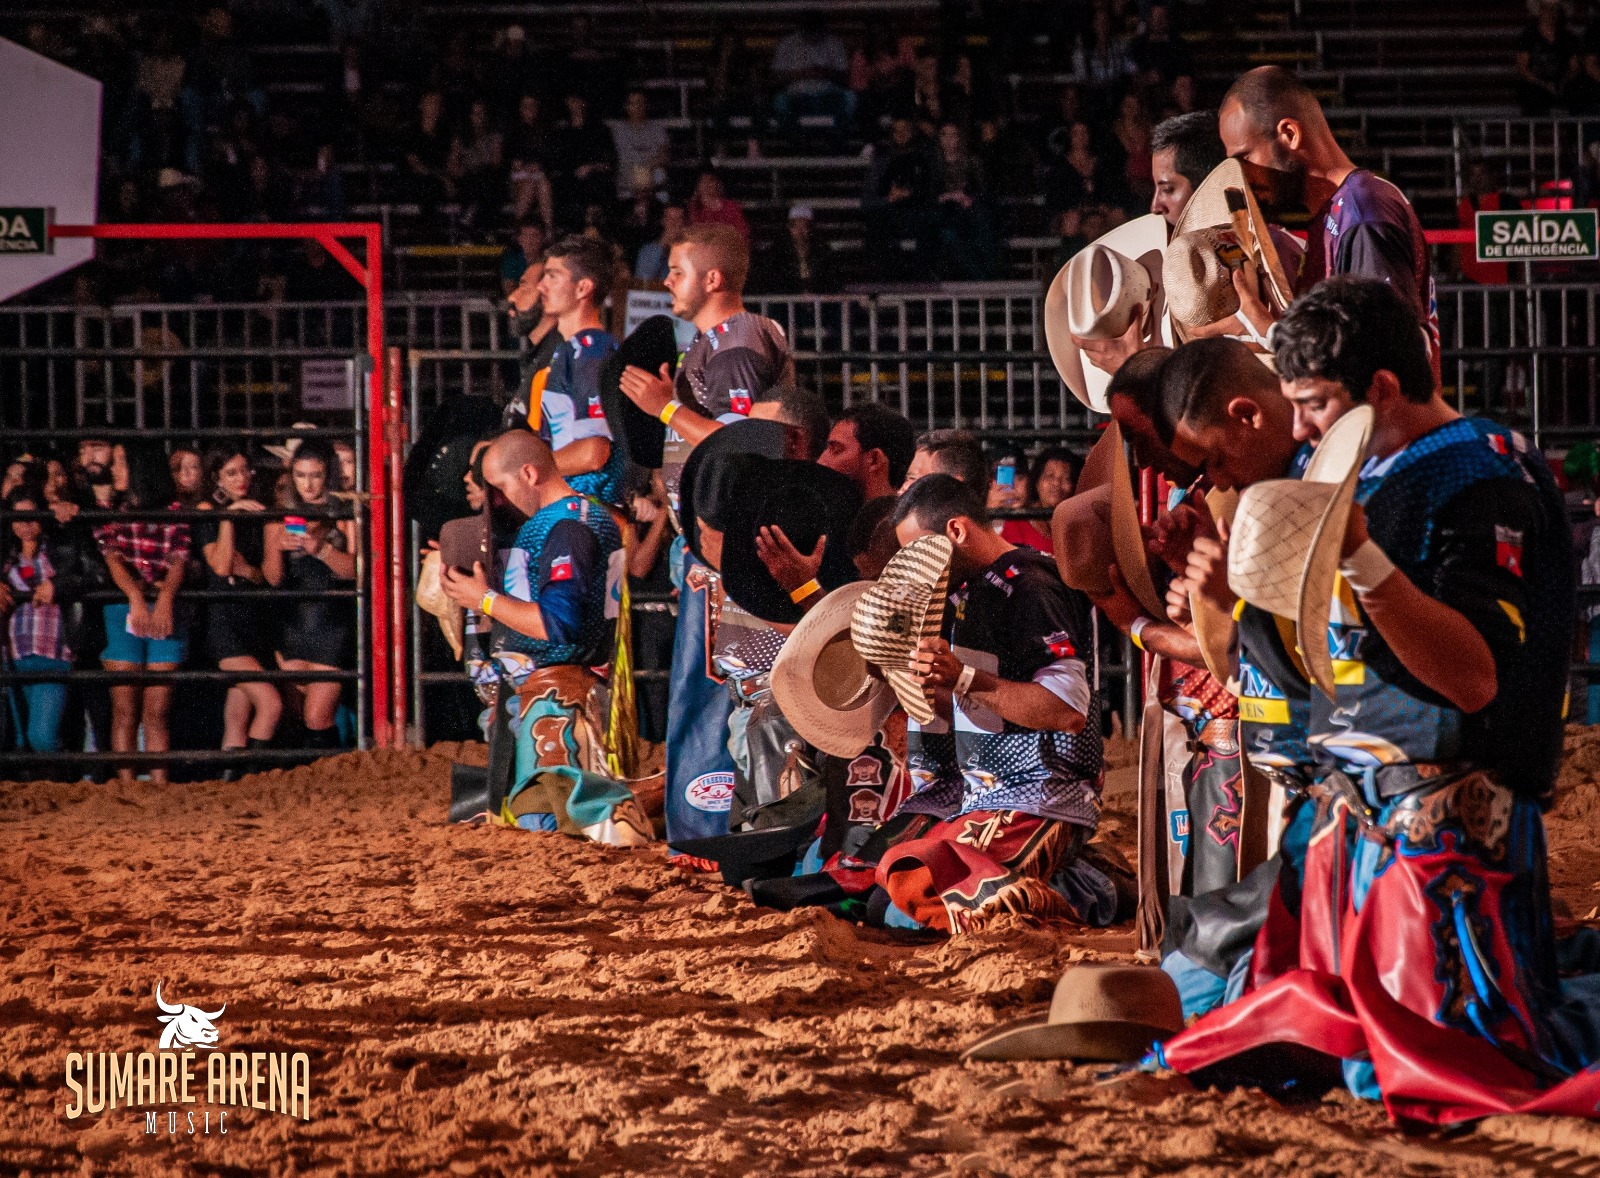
(1386, 984)
(1488, 273)
(1026, 532)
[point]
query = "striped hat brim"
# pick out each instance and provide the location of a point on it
(896, 614)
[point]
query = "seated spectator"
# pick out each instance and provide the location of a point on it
(881, 79)
(955, 452)
(812, 67)
(642, 149)
(1103, 59)
(580, 163)
(478, 158)
(1076, 228)
(933, 99)
(313, 554)
(1008, 160)
(897, 204)
(711, 205)
(42, 574)
(427, 158)
(147, 559)
(525, 149)
(1084, 177)
(1132, 129)
(1546, 61)
(237, 631)
(1160, 56)
(527, 249)
(801, 265)
(651, 263)
(967, 246)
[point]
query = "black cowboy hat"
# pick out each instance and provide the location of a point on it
(708, 477)
(782, 829)
(808, 502)
(652, 344)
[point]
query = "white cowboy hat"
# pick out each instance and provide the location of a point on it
(1099, 294)
(904, 606)
(823, 686)
(1211, 238)
(1100, 1011)
(1284, 553)
(431, 599)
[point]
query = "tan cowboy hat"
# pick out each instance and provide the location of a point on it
(1213, 629)
(1209, 240)
(1283, 555)
(823, 686)
(1099, 294)
(431, 599)
(904, 606)
(285, 452)
(1100, 1011)
(1099, 526)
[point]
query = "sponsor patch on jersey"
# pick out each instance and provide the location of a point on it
(865, 770)
(1178, 823)
(1497, 443)
(595, 408)
(561, 568)
(1060, 644)
(739, 401)
(1508, 549)
(864, 805)
(711, 792)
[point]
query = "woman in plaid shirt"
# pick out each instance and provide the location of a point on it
(147, 558)
(40, 572)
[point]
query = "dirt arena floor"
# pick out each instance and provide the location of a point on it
(494, 1001)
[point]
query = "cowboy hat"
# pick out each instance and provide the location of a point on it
(822, 685)
(1098, 526)
(1213, 629)
(650, 345)
(1284, 553)
(1100, 1011)
(713, 462)
(1211, 238)
(431, 599)
(904, 606)
(1099, 294)
(285, 452)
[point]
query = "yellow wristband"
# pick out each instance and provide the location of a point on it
(805, 591)
(1136, 629)
(486, 606)
(667, 411)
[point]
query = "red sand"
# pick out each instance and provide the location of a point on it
(479, 1000)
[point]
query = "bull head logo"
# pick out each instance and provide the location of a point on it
(187, 1026)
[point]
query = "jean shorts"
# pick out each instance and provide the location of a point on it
(123, 647)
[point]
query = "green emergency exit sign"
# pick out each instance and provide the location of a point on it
(1538, 235)
(24, 231)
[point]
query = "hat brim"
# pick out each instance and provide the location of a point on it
(1208, 208)
(778, 487)
(1127, 535)
(751, 846)
(1144, 239)
(652, 344)
(1338, 459)
(1107, 1042)
(925, 561)
(839, 732)
(1214, 629)
(760, 437)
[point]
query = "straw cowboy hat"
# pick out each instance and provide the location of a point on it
(1100, 1011)
(1287, 535)
(1099, 295)
(431, 599)
(823, 686)
(1213, 629)
(1211, 239)
(905, 606)
(1099, 526)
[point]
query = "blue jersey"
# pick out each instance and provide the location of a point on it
(1471, 515)
(563, 559)
(570, 409)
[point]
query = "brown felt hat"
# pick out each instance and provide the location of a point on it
(1099, 526)
(1213, 629)
(1100, 1011)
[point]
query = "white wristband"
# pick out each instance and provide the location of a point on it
(1135, 630)
(1366, 568)
(964, 681)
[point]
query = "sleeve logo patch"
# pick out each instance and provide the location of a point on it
(739, 401)
(595, 409)
(1508, 549)
(1498, 443)
(561, 568)
(1061, 645)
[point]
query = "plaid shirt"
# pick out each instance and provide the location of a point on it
(35, 629)
(148, 547)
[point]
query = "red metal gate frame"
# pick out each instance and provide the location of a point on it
(384, 444)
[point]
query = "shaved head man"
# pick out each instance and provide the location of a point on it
(1360, 224)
